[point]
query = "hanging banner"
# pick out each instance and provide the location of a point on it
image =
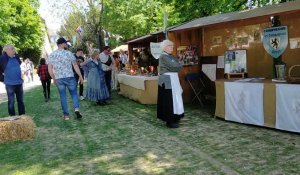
(275, 40)
(79, 31)
(155, 49)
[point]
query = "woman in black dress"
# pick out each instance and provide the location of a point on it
(169, 101)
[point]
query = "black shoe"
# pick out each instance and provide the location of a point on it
(78, 115)
(177, 120)
(172, 125)
(100, 103)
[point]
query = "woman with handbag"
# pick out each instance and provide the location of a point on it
(96, 89)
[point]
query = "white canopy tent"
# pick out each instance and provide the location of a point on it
(122, 47)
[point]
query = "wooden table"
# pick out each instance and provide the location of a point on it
(139, 88)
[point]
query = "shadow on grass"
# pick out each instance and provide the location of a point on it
(125, 137)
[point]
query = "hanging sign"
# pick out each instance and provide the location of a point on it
(275, 40)
(155, 49)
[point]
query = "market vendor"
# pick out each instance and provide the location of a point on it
(144, 59)
(169, 101)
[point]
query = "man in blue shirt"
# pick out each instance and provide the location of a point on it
(11, 71)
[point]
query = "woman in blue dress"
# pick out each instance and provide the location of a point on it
(96, 90)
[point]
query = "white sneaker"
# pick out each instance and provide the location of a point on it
(81, 97)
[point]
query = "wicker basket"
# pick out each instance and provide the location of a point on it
(293, 79)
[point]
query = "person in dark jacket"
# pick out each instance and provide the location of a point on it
(11, 71)
(45, 78)
(80, 59)
(169, 99)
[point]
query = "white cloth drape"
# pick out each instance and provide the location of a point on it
(288, 107)
(244, 102)
(176, 93)
(137, 82)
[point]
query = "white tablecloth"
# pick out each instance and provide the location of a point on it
(288, 107)
(244, 102)
(136, 81)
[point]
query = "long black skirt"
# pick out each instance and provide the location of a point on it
(165, 106)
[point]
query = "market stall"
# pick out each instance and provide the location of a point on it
(214, 35)
(139, 48)
(262, 37)
(138, 81)
(139, 88)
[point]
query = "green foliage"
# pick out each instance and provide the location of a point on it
(21, 25)
(133, 18)
(127, 19)
(34, 3)
(136, 18)
(6, 21)
(192, 9)
(73, 21)
(89, 20)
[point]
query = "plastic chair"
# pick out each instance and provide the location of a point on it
(195, 79)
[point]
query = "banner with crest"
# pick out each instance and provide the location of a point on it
(275, 40)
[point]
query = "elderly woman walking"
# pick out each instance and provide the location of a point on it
(169, 101)
(96, 89)
(10, 71)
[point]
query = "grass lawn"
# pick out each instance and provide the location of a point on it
(125, 137)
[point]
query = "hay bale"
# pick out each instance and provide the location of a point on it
(16, 128)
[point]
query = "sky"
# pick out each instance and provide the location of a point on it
(54, 11)
(51, 14)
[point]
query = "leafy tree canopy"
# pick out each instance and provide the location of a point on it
(34, 3)
(21, 25)
(132, 18)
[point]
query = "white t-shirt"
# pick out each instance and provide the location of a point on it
(103, 59)
(124, 58)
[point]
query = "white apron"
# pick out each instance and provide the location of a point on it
(176, 93)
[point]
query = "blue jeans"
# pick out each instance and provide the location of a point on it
(71, 84)
(11, 91)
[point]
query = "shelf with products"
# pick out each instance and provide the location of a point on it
(187, 55)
